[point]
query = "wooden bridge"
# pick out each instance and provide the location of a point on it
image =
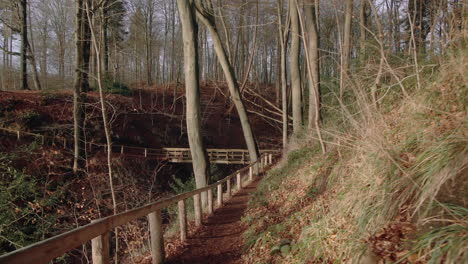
(174, 155)
(98, 231)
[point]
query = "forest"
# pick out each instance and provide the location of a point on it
(233, 131)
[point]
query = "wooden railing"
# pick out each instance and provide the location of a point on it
(98, 230)
(174, 155)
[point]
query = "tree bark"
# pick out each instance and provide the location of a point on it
(283, 35)
(313, 70)
(294, 66)
(81, 85)
(24, 44)
(105, 38)
(194, 116)
(363, 28)
(346, 46)
(313, 53)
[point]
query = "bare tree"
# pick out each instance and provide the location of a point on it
(346, 46)
(205, 14)
(197, 148)
(283, 35)
(81, 82)
(105, 119)
(24, 44)
(294, 67)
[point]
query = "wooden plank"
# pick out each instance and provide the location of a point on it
(100, 249)
(210, 201)
(156, 237)
(197, 209)
(219, 189)
(228, 191)
(182, 220)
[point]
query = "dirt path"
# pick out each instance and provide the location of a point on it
(220, 239)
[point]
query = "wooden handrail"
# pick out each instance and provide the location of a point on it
(239, 156)
(46, 250)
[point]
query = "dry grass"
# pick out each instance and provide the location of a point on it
(388, 185)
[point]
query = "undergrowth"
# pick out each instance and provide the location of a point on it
(392, 187)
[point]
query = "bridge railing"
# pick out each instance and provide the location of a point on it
(98, 230)
(178, 155)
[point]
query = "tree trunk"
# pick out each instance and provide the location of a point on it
(77, 92)
(105, 120)
(105, 38)
(313, 70)
(44, 55)
(32, 58)
(363, 28)
(81, 85)
(313, 53)
(346, 46)
(283, 36)
(295, 67)
(231, 81)
(24, 44)
(194, 116)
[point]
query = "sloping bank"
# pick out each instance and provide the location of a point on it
(394, 191)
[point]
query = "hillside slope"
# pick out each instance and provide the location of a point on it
(392, 187)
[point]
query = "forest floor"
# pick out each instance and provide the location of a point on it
(220, 238)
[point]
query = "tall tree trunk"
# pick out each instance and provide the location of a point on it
(24, 44)
(105, 120)
(81, 85)
(346, 46)
(278, 68)
(44, 55)
(313, 53)
(363, 28)
(105, 38)
(208, 21)
(77, 92)
(194, 116)
(294, 66)
(5, 63)
(32, 58)
(283, 35)
(311, 41)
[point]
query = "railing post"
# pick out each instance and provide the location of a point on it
(250, 173)
(270, 158)
(157, 240)
(146, 152)
(228, 191)
(18, 135)
(239, 183)
(100, 248)
(182, 220)
(220, 195)
(198, 210)
(122, 149)
(210, 201)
